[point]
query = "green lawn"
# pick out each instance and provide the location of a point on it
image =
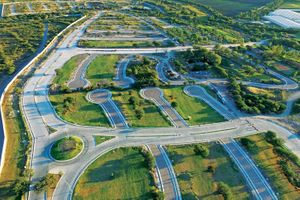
(113, 44)
(64, 73)
(296, 107)
(263, 154)
(291, 4)
(195, 181)
(193, 110)
(233, 7)
(152, 116)
(81, 111)
(102, 68)
(66, 148)
(100, 139)
(119, 174)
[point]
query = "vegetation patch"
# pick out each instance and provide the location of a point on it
(74, 108)
(277, 162)
(193, 110)
(64, 74)
(22, 35)
(117, 44)
(254, 103)
(66, 148)
(296, 107)
(125, 170)
(206, 174)
(139, 112)
(142, 69)
(100, 139)
(102, 70)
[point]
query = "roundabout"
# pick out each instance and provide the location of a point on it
(66, 148)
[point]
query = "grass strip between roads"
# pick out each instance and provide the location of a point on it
(100, 139)
(119, 174)
(194, 178)
(193, 110)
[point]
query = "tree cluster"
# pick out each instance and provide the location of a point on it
(254, 103)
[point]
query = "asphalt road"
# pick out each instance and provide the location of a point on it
(260, 187)
(170, 185)
(200, 93)
(39, 114)
(156, 95)
(121, 80)
(103, 98)
(78, 80)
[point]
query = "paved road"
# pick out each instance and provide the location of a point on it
(156, 95)
(39, 114)
(199, 92)
(103, 98)
(260, 187)
(121, 80)
(168, 176)
(79, 80)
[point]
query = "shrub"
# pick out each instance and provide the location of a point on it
(149, 159)
(201, 150)
(249, 144)
(225, 191)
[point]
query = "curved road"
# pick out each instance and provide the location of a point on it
(39, 115)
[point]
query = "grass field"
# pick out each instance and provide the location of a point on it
(191, 109)
(102, 68)
(114, 44)
(100, 139)
(267, 160)
(291, 4)
(152, 116)
(66, 148)
(233, 7)
(64, 73)
(80, 111)
(194, 179)
(119, 174)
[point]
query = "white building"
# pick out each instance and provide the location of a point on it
(285, 18)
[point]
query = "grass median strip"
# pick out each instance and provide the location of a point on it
(193, 110)
(200, 176)
(119, 174)
(100, 139)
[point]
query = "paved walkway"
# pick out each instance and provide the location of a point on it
(167, 174)
(156, 95)
(103, 98)
(260, 188)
